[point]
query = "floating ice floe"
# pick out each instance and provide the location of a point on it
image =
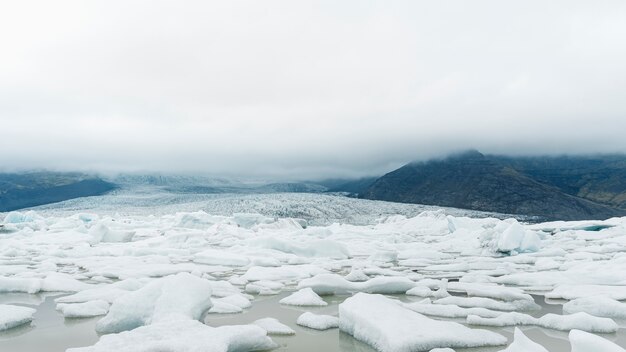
(184, 336)
(585, 342)
(570, 292)
(482, 302)
(181, 296)
(84, 310)
(388, 327)
(52, 282)
(599, 306)
(577, 321)
(314, 248)
(303, 297)
(274, 327)
(328, 284)
(317, 321)
(449, 310)
(108, 293)
(521, 343)
(490, 291)
(220, 257)
(12, 316)
(580, 341)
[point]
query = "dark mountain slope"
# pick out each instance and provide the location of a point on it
(601, 178)
(19, 191)
(474, 181)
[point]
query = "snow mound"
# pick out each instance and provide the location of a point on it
(317, 321)
(181, 296)
(303, 297)
(12, 316)
(388, 327)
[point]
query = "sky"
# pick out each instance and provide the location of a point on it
(305, 89)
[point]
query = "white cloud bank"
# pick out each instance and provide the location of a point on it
(305, 88)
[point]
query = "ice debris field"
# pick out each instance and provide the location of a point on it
(431, 280)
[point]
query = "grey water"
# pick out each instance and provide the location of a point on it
(50, 332)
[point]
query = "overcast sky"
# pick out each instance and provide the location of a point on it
(299, 89)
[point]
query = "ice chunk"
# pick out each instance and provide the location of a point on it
(59, 282)
(102, 233)
(328, 284)
(314, 248)
(577, 321)
(184, 336)
(108, 293)
(388, 327)
(286, 272)
(264, 287)
(598, 306)
(12, 316)
(220, 257)
(274, 327)
(317, 321)
(16, 217)
(570, 292)
(489, 303)
(18, 284)
(182, 296)
(449, 310)
(490, 291)
(356, 275)
(585, 342)
(234, 303)
(384, 256)
(521, 343)
(83, 310)
(511, 237)
(53, 282)
(304, 297)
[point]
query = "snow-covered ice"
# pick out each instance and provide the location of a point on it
(388, 327)
(181, 296)
(304, 297)
(84, 310)
(598, 306)
(184, 336)
(12, 316)
(155, 264)
(318, 321)
(273, 326)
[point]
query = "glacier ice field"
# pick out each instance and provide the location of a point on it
(155, 271)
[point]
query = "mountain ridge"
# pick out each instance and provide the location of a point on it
(475, 181)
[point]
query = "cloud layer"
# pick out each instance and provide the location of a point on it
(299, 89)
